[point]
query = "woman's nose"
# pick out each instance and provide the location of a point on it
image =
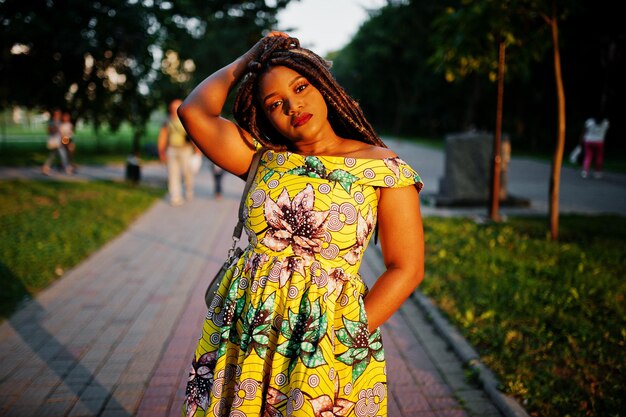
(292, 106)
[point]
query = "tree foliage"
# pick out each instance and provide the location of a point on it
(117, 60)
(465, 39)
(397, 42)
(384, 67)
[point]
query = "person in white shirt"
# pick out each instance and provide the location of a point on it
(593, 142)
(176, 150)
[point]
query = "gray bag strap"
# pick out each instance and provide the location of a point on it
(254, 165)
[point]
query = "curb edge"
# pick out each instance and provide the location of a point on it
(507, 405)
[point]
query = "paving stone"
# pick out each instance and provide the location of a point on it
(443, 403)
(54, 409)
(76, 385)
(129, 389)
(95, 392)
(116, 412)
(34, 395)
(411, 402)
(436, 390)
(477, 404)
(129, 400)
(22, 410)
(456, 380)
(455, 412)
(87, 408)
(63, 393)
(393, 410)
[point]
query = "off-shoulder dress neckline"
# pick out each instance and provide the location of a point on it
(303, 156)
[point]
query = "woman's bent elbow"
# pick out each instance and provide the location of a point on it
(419, 277)
(409, 276)
(183, 111)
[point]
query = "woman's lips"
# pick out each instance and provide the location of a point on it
(301, 120)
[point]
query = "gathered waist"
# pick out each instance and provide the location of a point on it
(279, 263)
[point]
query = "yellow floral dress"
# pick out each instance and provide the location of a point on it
(287, 334)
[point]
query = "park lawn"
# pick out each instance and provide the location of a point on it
(548, 317)
(48, 227)
(27, 146)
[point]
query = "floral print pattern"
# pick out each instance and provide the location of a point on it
(314, 168)
(287, 334)
(302, 331)
(325, 406)
(256, 328)
(200, 382)
(362, 346)
(365, 225)
(295, 223)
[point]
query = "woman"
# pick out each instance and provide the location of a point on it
(294, 330)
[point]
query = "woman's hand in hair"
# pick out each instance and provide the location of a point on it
(221, 140)
(263, 44)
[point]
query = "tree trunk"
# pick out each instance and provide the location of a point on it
(560, 143)
(494, 206)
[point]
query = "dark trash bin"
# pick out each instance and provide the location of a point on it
(133, 169)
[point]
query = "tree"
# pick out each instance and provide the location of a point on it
(473, 38)
(212, 35)
(551, 14)
(555, 177)
(117, 60)
(87, 56)
(384, 67)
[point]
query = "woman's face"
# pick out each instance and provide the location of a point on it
(293, 106)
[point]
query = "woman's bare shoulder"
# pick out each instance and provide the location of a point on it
(367, 151)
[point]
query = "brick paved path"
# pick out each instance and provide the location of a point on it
(115, 335)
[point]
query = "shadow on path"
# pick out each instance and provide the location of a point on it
(57, 377)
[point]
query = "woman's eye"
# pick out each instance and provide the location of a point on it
(274, 105)
(301, 87)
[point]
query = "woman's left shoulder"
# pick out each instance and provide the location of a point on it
(378, 152)
(372, 152)
(387, 170)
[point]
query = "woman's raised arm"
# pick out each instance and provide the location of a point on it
(221, 140)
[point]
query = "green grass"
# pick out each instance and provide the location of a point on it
(49, 227)
(549, 318)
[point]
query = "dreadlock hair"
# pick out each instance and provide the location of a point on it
(344, 113)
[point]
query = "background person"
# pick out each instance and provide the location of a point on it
(218, 173)
(593, 142)
(176, 150)
(66, 129)
(54, 145)
(293, 329)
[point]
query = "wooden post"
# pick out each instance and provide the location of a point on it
(557, 161)
(494, 198)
